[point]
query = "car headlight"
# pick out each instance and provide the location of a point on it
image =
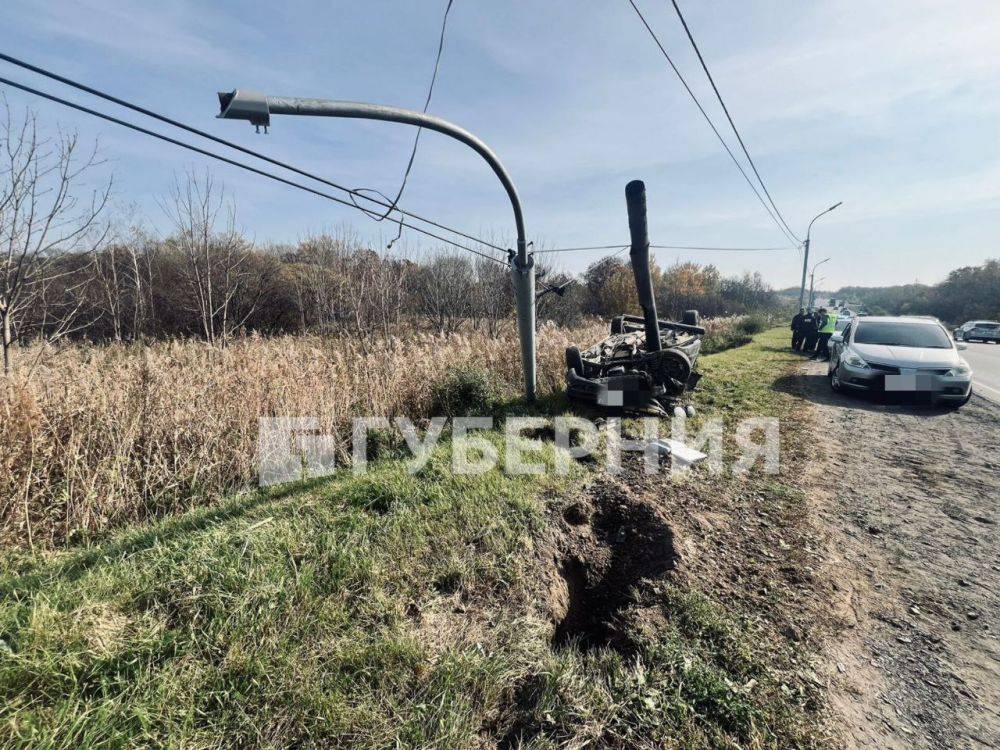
(852, 359)
(960, 370)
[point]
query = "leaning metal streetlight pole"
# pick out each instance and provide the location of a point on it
(258, 108)
(805, 259)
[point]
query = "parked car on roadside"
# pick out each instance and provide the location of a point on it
(900, 355)
(979, 330)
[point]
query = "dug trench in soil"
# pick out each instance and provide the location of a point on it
(605, 550)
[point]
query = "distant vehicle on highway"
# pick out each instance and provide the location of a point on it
(878, 354)
(979, 330)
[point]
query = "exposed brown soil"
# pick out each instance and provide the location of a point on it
(909, 494)
(605, 551)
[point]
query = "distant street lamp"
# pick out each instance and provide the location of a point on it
(805, 260)
(812, 276)
(258, 108)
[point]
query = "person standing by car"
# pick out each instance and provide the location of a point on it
(798, 329)
(809, 331)
(826, 323)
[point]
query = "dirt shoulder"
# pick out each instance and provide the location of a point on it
(909, 497)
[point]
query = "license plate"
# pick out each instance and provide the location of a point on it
(908, 382)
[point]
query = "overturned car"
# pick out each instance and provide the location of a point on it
(621, 374)
(645, 364)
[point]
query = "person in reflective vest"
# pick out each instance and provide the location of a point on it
(827, 324)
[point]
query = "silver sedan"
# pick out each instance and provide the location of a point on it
(900, 355)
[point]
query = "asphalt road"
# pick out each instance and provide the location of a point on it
(985, 361)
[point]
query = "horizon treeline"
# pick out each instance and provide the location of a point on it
(968, 293)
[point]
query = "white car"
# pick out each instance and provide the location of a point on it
(900, 354)
(979, 330)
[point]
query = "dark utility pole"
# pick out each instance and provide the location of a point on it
(258, 108)
(635, 202)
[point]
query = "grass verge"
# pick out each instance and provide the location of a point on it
(395, 610)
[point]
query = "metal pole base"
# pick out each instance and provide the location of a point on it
(523, 276)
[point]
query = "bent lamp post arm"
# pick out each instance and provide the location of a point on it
(257, 109)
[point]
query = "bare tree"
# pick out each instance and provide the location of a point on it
(217, 271)
(494, 295)
(378, 292)
(121, 277)
(443, 290)
(42, 223)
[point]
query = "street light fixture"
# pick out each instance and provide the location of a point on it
(805, 259)
(812, 277)
(258, 108)
(812, 295)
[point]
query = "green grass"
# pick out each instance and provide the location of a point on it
(375, 611)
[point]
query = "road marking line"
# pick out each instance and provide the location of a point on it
(976, 385)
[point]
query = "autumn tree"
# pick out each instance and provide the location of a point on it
(611, 287)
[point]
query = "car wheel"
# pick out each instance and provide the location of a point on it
(959, 404)
(574, 360)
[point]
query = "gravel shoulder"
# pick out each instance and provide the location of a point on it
(909, 496)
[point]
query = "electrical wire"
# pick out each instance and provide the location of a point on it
(666, 247)
(232, 162)
(619, 249)
(229, 144)
(416, 138)
(711, 124)
(729, 117)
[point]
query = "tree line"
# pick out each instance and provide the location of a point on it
(71, 266)
(968, 293)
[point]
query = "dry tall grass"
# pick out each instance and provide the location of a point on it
(104, 436)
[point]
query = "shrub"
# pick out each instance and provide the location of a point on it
(467, 390)
(753, 324)
(728, 333)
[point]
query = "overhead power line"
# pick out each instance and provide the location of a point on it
(242, 149)
(232, 162)
(667, 247)
(694, 98)
(729, 117)
(416, 138)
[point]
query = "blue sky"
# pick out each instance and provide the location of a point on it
(892, 107)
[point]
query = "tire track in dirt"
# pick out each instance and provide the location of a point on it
(910, 495)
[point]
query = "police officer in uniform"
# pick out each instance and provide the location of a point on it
(826, 325)
(809, 331)
(798, 329)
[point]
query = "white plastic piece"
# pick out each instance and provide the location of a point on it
(682, 454)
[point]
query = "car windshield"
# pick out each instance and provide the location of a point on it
(903, 334)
